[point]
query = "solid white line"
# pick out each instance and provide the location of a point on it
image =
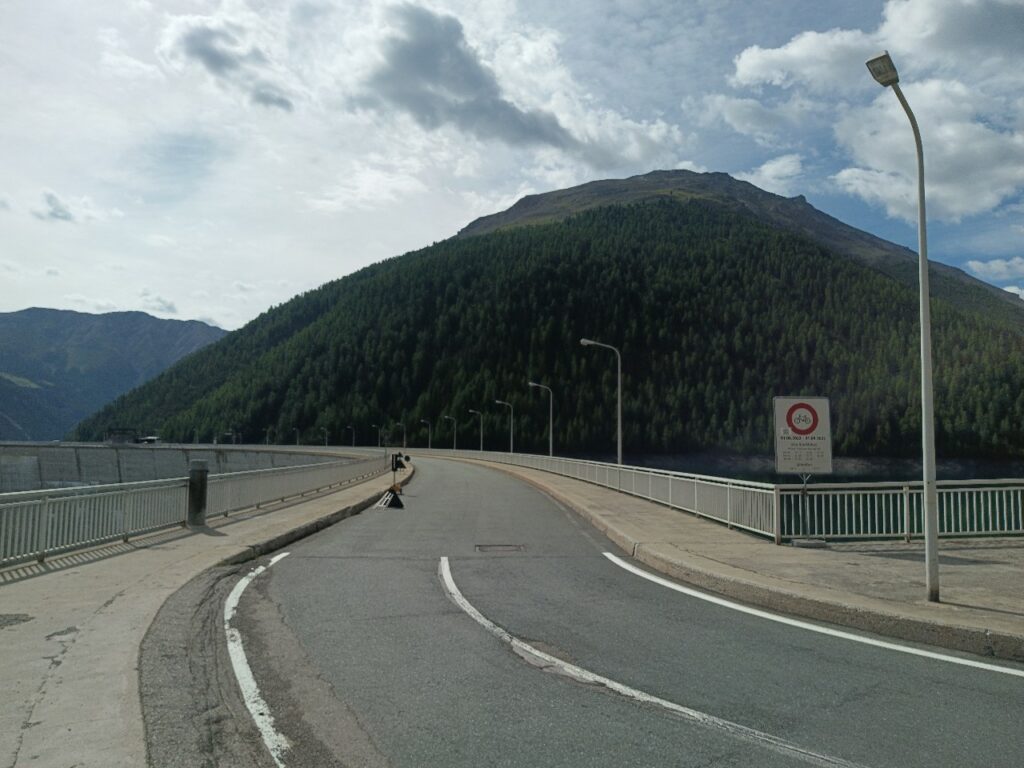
(809, 626)
(276, 743)
(551, 663)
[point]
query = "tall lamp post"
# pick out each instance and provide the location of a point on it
(473, 410)
(326, 433)
(884, 71)
(551, 416)
(424, 421)
(402, 425)
(618, 358)
(455, 429)
(296, 429)
(266, 435)
(349, 426)
(511, 421)
(375, 426)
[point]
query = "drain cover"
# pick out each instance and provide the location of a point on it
(500, 547)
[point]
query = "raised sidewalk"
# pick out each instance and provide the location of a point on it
(70, 630)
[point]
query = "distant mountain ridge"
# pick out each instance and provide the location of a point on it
(58, 366)
(793, 214)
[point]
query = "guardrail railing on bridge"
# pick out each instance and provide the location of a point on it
(35, 525)
(832, 511)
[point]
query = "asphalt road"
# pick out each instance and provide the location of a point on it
(363, 659)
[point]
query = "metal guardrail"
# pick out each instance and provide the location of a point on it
(834, 511)
(35, 525)
(893, 510)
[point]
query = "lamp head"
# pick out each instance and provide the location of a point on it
(533, 383)
(586, 342)
(883, 70)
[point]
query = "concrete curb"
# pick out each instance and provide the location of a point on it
(857, 613)
(275, 543)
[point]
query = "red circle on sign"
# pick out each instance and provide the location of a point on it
(791, 415)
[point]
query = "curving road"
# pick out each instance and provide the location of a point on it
(364, 658)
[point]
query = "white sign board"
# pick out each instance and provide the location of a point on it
(803, 436)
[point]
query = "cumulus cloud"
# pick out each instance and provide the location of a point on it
(368, 187)
(54, 209)
(998, 270)
(778, 175)
(155, 303)
(431, 73)
(973, 134)
(90, 303)
(1015, 289)
(226, 50)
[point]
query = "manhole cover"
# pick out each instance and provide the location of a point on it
(500, 547)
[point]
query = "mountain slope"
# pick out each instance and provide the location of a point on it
(794, 215)
(57, 366)
(715, 311)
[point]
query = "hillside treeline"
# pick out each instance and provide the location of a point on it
(715, 313)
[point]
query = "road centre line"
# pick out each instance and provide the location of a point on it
(551, 663)
(275, 741)
(891, 646)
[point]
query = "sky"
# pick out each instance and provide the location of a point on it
(209, 160)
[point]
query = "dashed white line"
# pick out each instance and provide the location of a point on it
(551, 663)
(808, 625)
(276, 742)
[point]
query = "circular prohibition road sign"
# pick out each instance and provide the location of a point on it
(802, 419)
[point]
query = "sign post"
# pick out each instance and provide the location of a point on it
(803, 441)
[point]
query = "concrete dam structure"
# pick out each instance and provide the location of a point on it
(33, 466)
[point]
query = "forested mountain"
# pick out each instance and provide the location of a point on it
(715, 310)
(57, 366)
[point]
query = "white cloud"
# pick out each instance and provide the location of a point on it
(998, 270)
(367, 187)
(152, 302)
(90, 304)
(1015, 289)
(973, 134)
(778, 175)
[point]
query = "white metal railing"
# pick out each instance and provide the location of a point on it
(35, 525)
(890, 510)
(833, 511)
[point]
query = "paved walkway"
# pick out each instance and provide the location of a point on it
(70, 630)
(872, 586)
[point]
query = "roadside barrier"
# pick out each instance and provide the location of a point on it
(35, 525)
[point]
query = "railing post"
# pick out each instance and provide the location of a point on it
(42, 527)
(778, 515)
(198, 476)
(906, 512)
(728, 506)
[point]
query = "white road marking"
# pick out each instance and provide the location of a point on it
(551, 663)
(808, 625)
(276, 743)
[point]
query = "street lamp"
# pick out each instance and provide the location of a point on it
(455, 429)
(402, 425)
(349, 426)
(266, 435)
(618, 357)
(296, 435)
(473, 410)
(326, 433)
(511, 414)
(551, 416)
(424, 421)
(378, 433)
(884, 71)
